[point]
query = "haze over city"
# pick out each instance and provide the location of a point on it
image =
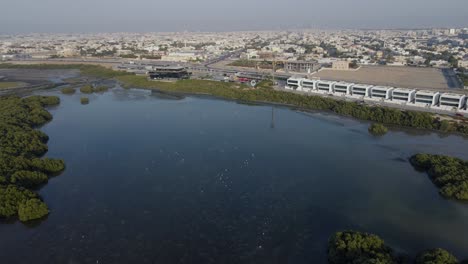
(220, 132)
(26, 16)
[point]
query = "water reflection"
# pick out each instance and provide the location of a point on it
(195, 180)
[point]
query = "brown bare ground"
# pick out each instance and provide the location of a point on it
(405, 77)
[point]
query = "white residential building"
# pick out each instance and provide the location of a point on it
(325, 86)
(426, 98)
(463, 64)
(342, 88)
(403, 95)
(452, 101)
(308, 85)
(361, 90)
(293, 83)
(381, 92)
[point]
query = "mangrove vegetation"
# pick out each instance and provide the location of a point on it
(68, 90)
(378, 114)
(101, 89)
(449, 174)
(377, 129)
(355, 247)
(436, 256)
(87, 89)
(363, 248)
(21, 146)
(234, 91)
(84, 100)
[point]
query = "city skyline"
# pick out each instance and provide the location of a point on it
(53, 16)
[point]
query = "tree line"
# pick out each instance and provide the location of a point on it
(363, 248)
(21, 146)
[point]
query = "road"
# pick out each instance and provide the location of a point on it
(452, 79)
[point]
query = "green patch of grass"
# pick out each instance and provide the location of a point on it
(265, 84)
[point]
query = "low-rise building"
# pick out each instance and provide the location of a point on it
(308, 85)
(293, 83)
(463, 64)
(342, 88)
(361, 90)
(439, 63)
(340, 65)
(70, 52)
(381, 92)
(403, 95)
(182, 56)
(452, 101)
(123, 52)
(169, 72)
(325, 86)
(426, 98)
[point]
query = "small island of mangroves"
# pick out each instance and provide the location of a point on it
(68, 90)
(21, 146)
(449, 174)
(377, 129)
(364, 248)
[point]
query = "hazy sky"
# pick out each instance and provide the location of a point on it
(223, 15)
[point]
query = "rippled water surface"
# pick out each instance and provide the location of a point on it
(159, 179)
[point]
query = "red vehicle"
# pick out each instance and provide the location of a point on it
(243, 80)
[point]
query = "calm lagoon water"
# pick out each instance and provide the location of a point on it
(151, 179)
